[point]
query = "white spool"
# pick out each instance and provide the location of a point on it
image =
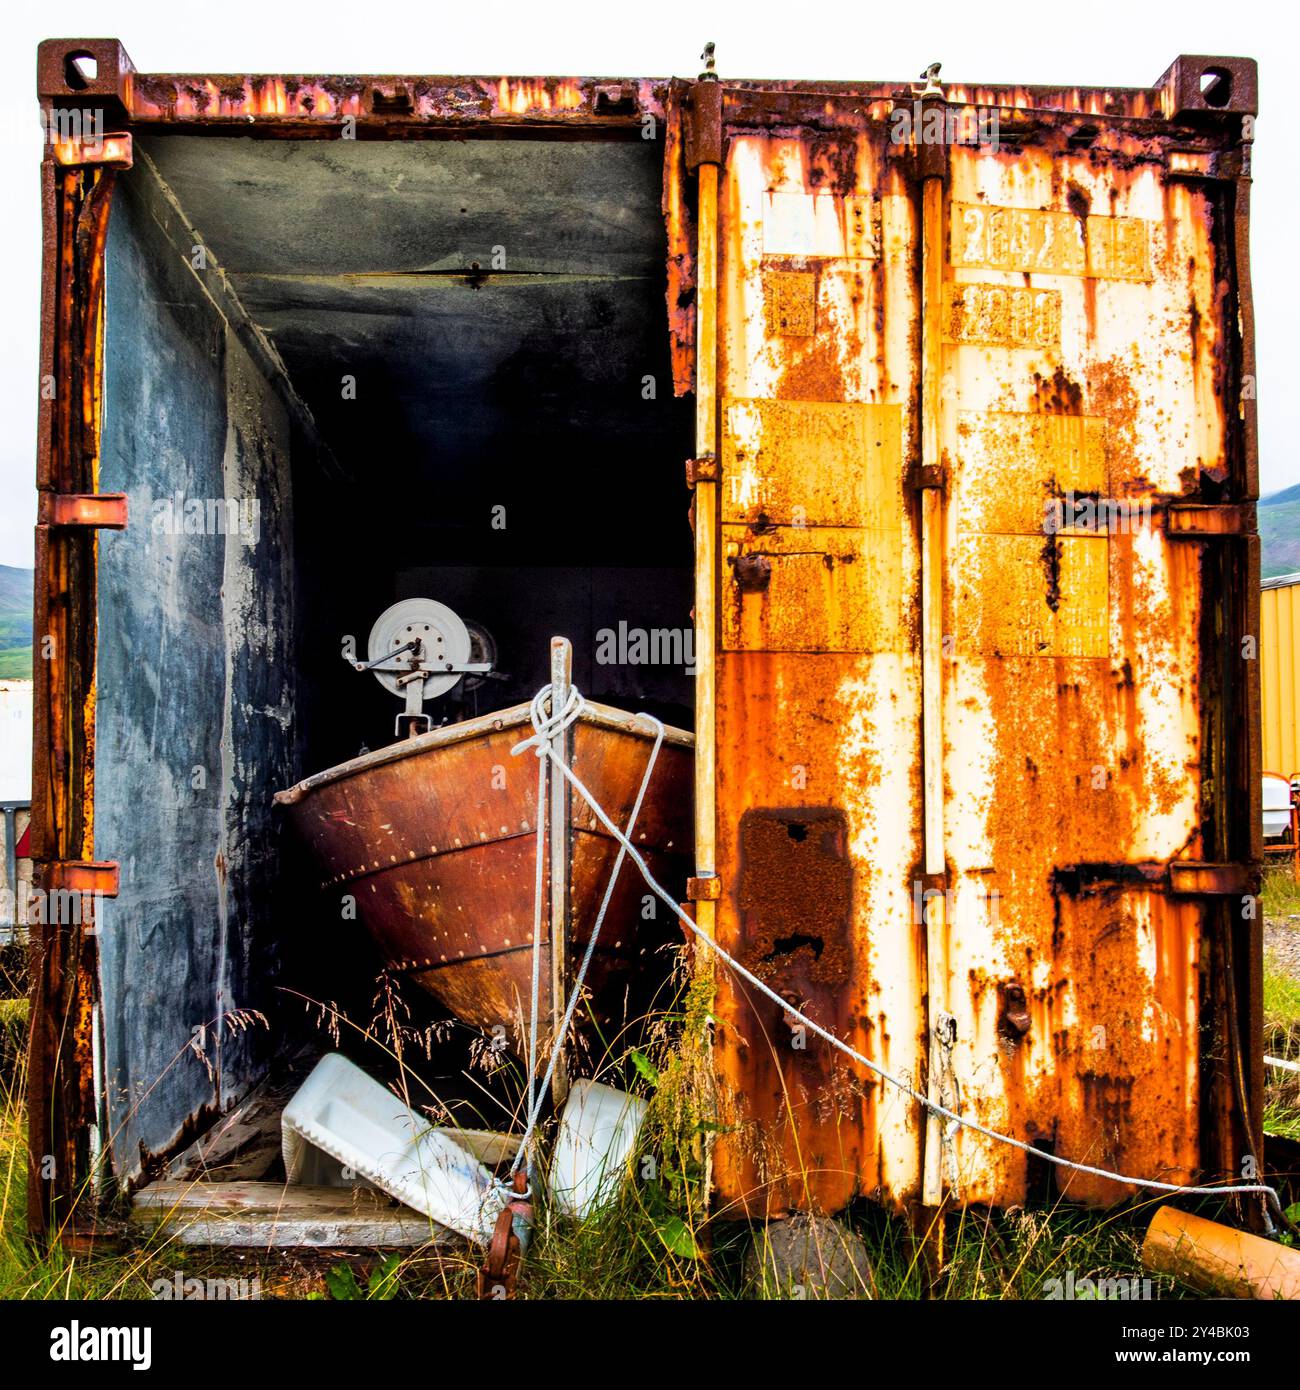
(444, 635)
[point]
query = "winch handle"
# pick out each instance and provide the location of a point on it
(387, 656)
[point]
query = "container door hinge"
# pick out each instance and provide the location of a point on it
(106, 511)
(1213, 880)
(82, 876)
(706, 889)
(1202, 521)
(105, 151)
(703, 470)
(1207, 165)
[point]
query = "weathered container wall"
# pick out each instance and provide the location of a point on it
(984, 757)
(195, 714)
(1073, 707)
(397, 206)
(818, 671)
(1279, 655)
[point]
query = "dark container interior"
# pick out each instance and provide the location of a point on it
(417, 368)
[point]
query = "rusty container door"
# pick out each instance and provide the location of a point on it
(818, 705)
(986, 705)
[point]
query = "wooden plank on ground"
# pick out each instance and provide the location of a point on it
(272, 1215)
(245, 1144)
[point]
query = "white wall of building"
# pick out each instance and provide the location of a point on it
(15, 740)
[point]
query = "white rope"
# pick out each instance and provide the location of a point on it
(1241, 1189)
(547, 724)
(542, 766)
(546, 727)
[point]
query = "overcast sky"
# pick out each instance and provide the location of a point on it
(1103, 44)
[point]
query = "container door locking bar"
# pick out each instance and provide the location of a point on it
(1186, 878)
(704, 152)
(929, 477)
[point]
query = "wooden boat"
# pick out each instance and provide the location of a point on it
(435, 837)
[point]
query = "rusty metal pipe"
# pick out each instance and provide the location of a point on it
(932, 521)
(706, 534)
(1220, 1259)
(932, 517)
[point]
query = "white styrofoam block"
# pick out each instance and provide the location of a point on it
(350, 1116)
(597, 1136)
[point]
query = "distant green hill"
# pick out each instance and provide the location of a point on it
(15, 622)
(16, 664)
(1278, 499)
(1279, 532)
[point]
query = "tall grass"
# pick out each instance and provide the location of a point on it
(29, 1269)
(1281, 892)
(1281, 1039)
(658, 1240)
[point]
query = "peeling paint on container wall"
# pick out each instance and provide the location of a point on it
(819, 698)
(398, 102)
(1086, 349)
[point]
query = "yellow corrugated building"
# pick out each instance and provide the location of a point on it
(1280, 673)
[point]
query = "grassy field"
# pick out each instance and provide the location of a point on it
(658, 1242)
(1279, 532)
(1281, 896)
(1281, 1039)
(15, 623)
(1281, 1013)
(647, 1246)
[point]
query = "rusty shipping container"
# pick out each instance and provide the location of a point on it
(963, 379)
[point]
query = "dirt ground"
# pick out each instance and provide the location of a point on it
(1282, 943)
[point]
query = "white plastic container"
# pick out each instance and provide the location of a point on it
(1277, 805)
(597, 1137)
(372, 1134)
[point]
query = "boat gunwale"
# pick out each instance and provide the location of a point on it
(594, 714)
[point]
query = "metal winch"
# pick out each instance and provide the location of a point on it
(419, 649)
